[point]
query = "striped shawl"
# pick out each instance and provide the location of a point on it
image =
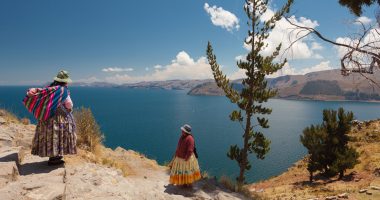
(45, 101)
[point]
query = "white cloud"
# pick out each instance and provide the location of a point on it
(324, 65)
(222, 18)
(117, 69)
(285, 34)
(157, 67)
(241, 58)
(370, 43)
(237, 75)
(88, 80)
(182, 67)
(316, 46)
(363, 20)
(287, 70)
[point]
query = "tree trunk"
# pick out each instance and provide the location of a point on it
(341, 174)
(244, 154)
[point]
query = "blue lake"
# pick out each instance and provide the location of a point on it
(149, 121)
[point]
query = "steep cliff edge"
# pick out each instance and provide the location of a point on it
(108, 174)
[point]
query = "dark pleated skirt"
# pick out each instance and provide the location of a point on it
(56, 136)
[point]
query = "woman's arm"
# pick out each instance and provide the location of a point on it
(189, 147)
(68, 103)
(31, 92)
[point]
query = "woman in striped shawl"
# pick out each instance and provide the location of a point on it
(55, 132)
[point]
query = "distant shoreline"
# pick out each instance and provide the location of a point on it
(187, 90)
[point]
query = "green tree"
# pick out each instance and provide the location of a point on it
(356, 6)
(327, 144)
(313, 139)
(254, 92)
(345, 157)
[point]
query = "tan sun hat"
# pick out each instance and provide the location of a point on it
(63, 77)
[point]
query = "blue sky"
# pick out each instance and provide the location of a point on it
(129, 41)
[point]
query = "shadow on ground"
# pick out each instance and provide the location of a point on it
(180, 190)
(37, 168)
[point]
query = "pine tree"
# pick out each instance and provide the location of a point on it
(345, 156)
(313, 139)
(327, 144)
(356, 6)
(254, 92)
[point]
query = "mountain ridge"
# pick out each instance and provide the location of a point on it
(321, 85)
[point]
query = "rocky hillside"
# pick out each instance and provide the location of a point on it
(322, 85)
(166, 85)
(362, 182)
(107, 174)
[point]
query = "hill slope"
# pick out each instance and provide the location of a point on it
(322, 85)
(294, 183)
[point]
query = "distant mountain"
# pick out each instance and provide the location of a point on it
(166, 85)
(322, 85)
(93, 84)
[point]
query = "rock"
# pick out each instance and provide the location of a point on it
(375, 187)
(331, 198)
(362, 190)
(2, 121)
(37, 181)
(377, 172)
(9, 154)
(369, 193)
(8, 172)
(343, 195)
(5, 140)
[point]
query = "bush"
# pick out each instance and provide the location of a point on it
(327, 144)
(87, 129)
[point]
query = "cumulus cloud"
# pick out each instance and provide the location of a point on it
(288, 70)
(369, 43)
(117, 69)
(285, 34)
(222, 18)
(183, 67)
(324, 65)
(316, 46)
(363, 20)
(157, 67)
(88, 80)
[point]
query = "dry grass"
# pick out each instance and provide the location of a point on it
(231, 185)
(9, 117)
(90, 145)
(25, 121)
(294, 184)
(88, 131)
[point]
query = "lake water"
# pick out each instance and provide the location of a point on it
(149, 121)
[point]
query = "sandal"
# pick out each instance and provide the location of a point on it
(55, 158)
(55, 162)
